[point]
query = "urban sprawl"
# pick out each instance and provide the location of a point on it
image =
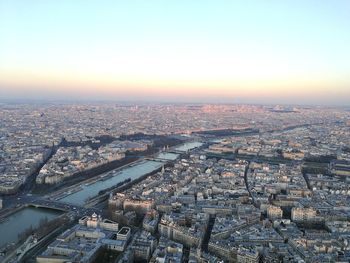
(174, 183)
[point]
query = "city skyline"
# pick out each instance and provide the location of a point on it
(276, 52)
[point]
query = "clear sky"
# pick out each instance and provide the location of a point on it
(272, 51)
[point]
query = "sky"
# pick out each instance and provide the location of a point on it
(273, 51)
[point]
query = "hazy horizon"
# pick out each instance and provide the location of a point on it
(52, 101)
(249, 52)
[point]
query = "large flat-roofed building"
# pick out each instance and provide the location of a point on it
(124, 233)
(83, 242)
(78, 244)
(95, 221)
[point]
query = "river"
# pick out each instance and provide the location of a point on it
(132, 172)
(188, 146)
(21, 220)
(167, 156)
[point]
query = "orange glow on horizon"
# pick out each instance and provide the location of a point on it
(90, 85)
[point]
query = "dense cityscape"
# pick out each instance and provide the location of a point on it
(175, 131)
(146, 182)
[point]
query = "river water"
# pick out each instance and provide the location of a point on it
(188, 146)
(167, 156)
(21, 220)
(132, 172)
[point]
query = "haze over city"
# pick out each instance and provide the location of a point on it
(287, 52)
